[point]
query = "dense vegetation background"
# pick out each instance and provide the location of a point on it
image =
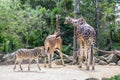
(26, 23)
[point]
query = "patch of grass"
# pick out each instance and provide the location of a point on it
(116, 77)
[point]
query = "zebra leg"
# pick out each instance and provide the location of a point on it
(15, 64)
(20, 61)
(61, 56)
(38, 64)
(29, 64)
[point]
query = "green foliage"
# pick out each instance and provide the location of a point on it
(26, 23)
(42, 10)
(67, 49)
(116, 77)
(24, 27)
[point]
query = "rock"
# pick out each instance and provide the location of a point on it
(112, 58)
(102, 58)
(102, 62)
(106, 55)
(58, 62)
(1, 57)
(118, 63)
(105, 78)
(112, 64)
(97, 60)
(7, 59)
(91, 79)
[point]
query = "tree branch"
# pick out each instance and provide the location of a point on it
(116, 52)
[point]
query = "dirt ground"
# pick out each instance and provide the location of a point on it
(69, 72)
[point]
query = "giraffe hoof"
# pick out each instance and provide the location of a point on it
(39, 69)
(64, 65)
(14, 69)
(93, 68)
(50, 66)
(79, 66)
(45, 66)
(87, 68)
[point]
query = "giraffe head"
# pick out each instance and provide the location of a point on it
(57, 17)
(74, 21)
(67, 20)
(78, 21)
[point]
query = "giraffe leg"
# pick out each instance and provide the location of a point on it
(80, 55)
(93, 63)
(87, 54)
(80, 60)
(49, 61)
(51, 58)
(45, 62)
(93, 58)
(89, 58)
(61, 56)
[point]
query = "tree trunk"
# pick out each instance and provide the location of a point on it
(110, 39)
(76, 11)
(96, 26)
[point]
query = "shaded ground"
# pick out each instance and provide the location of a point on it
(70, 72)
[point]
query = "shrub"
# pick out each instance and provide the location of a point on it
(116, 77)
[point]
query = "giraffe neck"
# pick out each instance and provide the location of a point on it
(57, 24)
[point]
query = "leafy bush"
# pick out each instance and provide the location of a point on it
(116, 77)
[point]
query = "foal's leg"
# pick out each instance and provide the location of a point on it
(30, 60)
(20, 61)
(15, 64)
(38, 64)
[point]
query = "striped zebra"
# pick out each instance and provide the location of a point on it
(30, 54)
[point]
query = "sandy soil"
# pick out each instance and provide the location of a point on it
(69, 72)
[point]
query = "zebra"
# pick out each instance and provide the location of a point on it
(30, 54)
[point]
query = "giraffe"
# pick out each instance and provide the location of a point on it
(86, 36)
(54, 42)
